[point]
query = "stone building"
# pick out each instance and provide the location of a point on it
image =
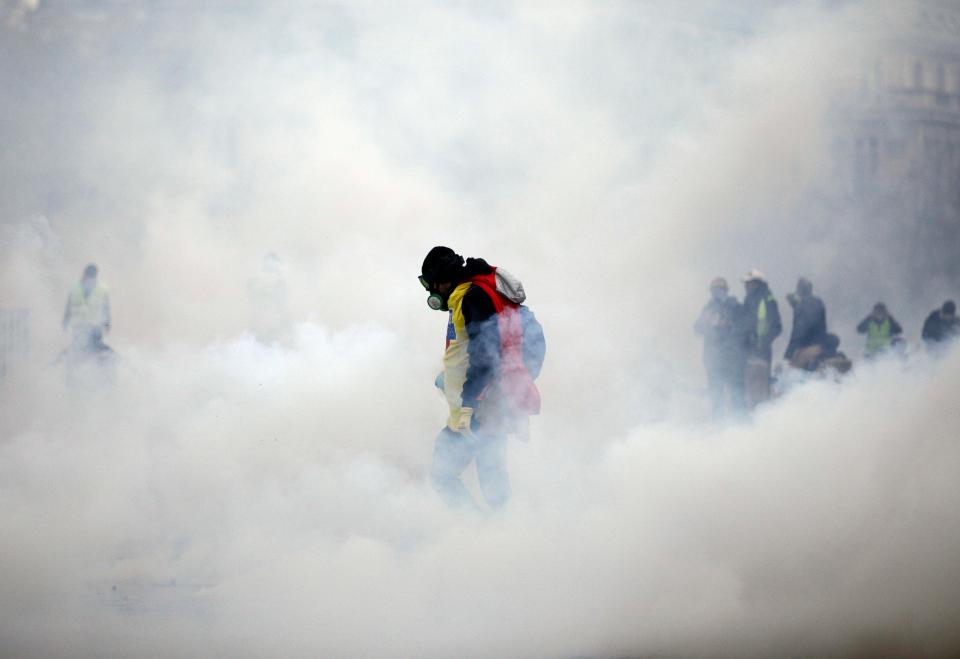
(897, 145)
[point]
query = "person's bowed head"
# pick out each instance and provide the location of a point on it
(949, 310)
(880, 312)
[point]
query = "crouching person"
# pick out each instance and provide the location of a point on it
(494, 350)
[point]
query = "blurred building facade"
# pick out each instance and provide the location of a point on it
(14, 339)
(896, 150)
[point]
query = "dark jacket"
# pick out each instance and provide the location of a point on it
(809, 323)
(717, 324)
(756, 342)
(484, 346)
(936, 328)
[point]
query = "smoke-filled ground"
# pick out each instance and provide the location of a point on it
(234, 501)
(241, 496)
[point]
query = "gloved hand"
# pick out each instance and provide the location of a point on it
(461, 423)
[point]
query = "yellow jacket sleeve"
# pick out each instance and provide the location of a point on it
(455, 359)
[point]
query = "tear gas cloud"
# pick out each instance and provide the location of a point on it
(234, 497)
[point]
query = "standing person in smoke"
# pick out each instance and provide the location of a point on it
(87, 313)
(809, 334)
(494, 350)
(759, 326)
(882, 331)
(941, 327)
(722, 353)
(89, 361)
(267, 292)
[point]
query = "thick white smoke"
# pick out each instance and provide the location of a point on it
(233, 497)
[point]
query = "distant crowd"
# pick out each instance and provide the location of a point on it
(738, 338)
(495, 347)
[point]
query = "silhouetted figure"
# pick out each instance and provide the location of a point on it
(941, 327)
(88, 361)
(723, 355)
(494, 350)
(809, 333)
(759, 326)
(882, 331)
(88, 309)
(267, 292)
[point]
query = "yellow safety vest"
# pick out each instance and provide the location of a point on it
(88, 310)
(878, 336)
(763, 327)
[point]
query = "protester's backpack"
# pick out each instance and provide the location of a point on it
(534, 344)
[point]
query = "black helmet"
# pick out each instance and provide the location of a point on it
(442, 264)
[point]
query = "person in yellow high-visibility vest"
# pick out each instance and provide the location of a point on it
(881, 328)
(759, 326)
(87, 314)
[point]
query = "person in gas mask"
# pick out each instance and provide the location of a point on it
(723, 356)
(494, 350)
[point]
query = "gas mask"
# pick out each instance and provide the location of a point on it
(435, 301)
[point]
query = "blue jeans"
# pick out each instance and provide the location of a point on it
(452, 454)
